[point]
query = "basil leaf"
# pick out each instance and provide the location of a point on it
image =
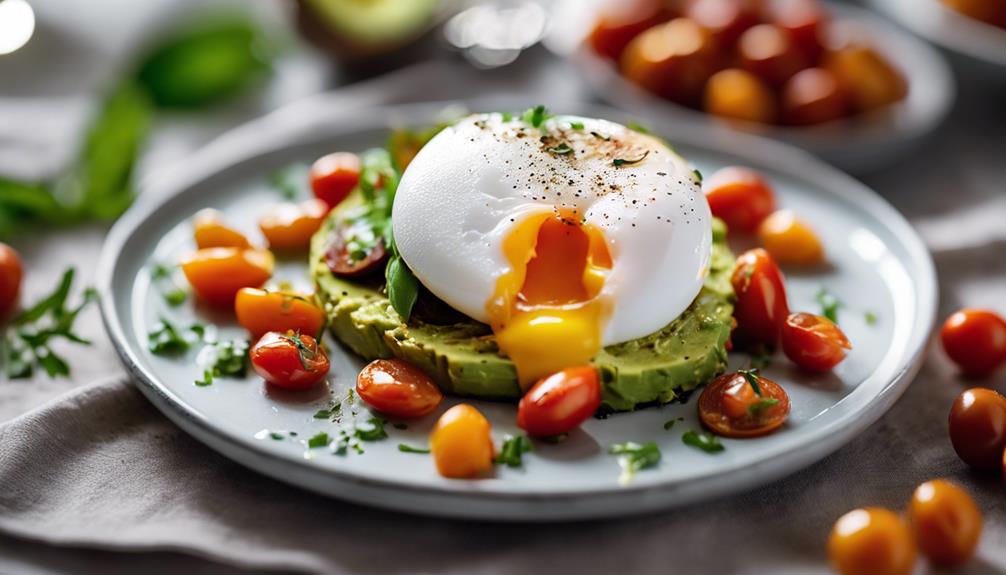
(403, 287)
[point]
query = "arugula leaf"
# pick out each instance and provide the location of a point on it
(409, 449)
(829, 304)
(705, 441)
(512, 450)
(635, 457)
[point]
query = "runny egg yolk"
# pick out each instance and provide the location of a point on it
(546, 312)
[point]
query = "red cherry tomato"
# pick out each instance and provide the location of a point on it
(976, 340)
(334, 176)
(740, 197)
(804, 20)
(813, 342)
(398, 388)
(560, 402)
(761, 307)
(978, 428)
(289, 361)
(619, 21)
(730, 406)
(10, 278)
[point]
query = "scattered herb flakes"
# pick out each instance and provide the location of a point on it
(163, 278)
(513, 448)
(166, 339)
(305, 353)
(562, 149)
(871, 318)
(698, 175)
(276, 436)
(291, 181)
(623, 161)
(375, 432)
(506, 116)
(319, 440)
(409, 449)
(670, 423)
(751, 376)
(637, 127)
(829, 304)
(705, 441)
(535, 116)
(326, 413)
(761, 405)
(206, 380)
(576, 125)
(635, 457)
(600, 136)
(231, 358)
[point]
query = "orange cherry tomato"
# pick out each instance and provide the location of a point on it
(211, 232)
(789, 240)
(978, 428)
(871, 541)
(216, 274)
(975, 339)
(260, 311)
(946, 522)
(868, 79)
(740, 197)
(726, 20)
(813, 342)
(770, 53)
(11, 273)
(334, 176)
(739, 95)
(730, 406)
(289, 361)
(398, 388)
(290, 226)
(619, 21)
(672, 60)
(560, 402)
(761, 308)
(990, 11)
(460, 443)
(804, 20)
(813, 96)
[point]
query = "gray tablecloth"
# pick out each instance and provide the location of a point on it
(97, 480)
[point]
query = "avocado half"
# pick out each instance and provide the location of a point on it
(463, 359)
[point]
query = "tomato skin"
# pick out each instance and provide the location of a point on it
(978, 428)
(279, 362)
(217, 274)
(770, 52)
(260, 311)
(946, 522)
(398, 388)
(334, 176)
(871, 541)
(803, 20)
(975, 339)
(739, 95)
(461, 444)
(723, 406)
(620, 21)
(11, 273)
(813, 342)
(560, 402)
(740, 197)
(290, 226)
(210, 231)
(761, 307)
(672, 60)
(813, 96)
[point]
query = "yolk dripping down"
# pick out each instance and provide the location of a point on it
(545, 312)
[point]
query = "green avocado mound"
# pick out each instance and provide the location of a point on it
(462, 357)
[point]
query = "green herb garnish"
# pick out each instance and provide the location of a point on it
(325, 413)
(562, 149)
(291, 181)
(602, 137)
(166, 339)
(409, 449)
(230, 358)
(751, 376)
(305, 353)
(319, 440)
(535, 116)
(375, 432)
(207, 378)
(576, 125)
(698, 175)
(871, 318)
(636, 126)
(761, 360)
(829, 304)
(670, 423)
(163, 277)
(512, 450)
(402, 285)
(705, 441)
(276, 436)
(635, 457)
(761, 405)
(622, 161)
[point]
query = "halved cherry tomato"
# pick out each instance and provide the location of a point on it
(761, 306)
(342, 261)
(560, 402)
(290, 226)
(11, 273)
(289, 361)
(813, 342)
(334, 176)
(976, 340)
(978, 428)
(216, 274)
(946, 522)
(872, 541)
(730, 406)
(620, 21)
(740, 197)
(460, 443)
(789, 240)
(260, 311)
(211, 232)
(398, 388)
(770, 53)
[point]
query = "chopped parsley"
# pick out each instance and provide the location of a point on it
(670, 423)
(623, 161)
(535, 116)
(698, 175)
(206, 380)
(562, 149)
(375, 432)
(635, 457)
(319, 440)
(276, 436)
(409, 449)
(829, 304)
(600, 136)
(166, 339)
(751, 376)
(871, 318)
(163, 278)
(705, 441)
(231, 358)
(329, 412)
(512, 450)
(576, 125)
(506, 116)
(305, 353)
(761, 405)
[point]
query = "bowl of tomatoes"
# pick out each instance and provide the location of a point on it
(832, 79)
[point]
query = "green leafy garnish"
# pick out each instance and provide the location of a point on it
(166, 339)
(291, 181)
(276, 436)
(705, 441)
(761, 360)
(762, 404)
(305, 353)
(375, 432)
(402, 285)
(636, 126)
(562, 149)
(207, 378)
(698, 175)
(163, 277)
(230, 358)
(670, 423)
(635, 457)
(327, 413)
(409, 449)
(576, 125)
(535, 116)
(601, 136)
(319, 440)
(512, 450)
(871, 318)
(751, 376)
(623, 161)
(829, 304)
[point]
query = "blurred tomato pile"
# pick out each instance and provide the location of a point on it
(988, 11)
(766, 61)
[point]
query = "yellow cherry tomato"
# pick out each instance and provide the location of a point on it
(789, 240)
(946, 522)
(740, 95)
(216, 274)
(211, 232)
(290, 226)
(260, 311)
(871, 541)
(460, 443)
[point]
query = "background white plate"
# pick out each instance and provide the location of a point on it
(858, 144)
(878, 265)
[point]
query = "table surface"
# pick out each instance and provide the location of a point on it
(951, 190)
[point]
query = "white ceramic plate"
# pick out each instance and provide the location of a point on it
(878, 265)
(859, 144)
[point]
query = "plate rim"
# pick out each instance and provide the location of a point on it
(234, 146)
